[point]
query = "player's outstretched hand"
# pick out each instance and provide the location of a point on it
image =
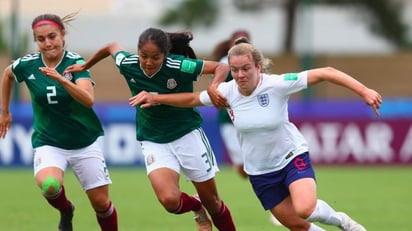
(373, 99)
(5, 122)
(75, 68)
(144, 99)
(50, 72)
(217, 98)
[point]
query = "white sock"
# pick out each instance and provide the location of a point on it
(325, 214)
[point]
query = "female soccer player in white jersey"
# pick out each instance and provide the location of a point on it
(275, 153)
(171, 137)
(227, 129)
(66, 128)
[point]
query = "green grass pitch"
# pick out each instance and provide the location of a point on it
(378, 197)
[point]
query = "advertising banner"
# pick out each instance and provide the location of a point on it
(337, 132)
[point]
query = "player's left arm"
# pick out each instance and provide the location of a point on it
(330, 74)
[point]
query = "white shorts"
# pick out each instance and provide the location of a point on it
(230, 139)
(191, 154)
(87, 163)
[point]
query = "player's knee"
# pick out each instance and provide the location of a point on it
(305, 210)
(170, 202)
(50, 186)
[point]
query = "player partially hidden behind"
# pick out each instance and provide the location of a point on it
(66, 128)
(227, 130)
(276, 153)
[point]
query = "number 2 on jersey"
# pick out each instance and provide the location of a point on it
(51, 93)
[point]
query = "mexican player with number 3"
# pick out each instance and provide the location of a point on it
(171, 138)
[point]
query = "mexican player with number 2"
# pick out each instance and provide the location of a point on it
(66, 128)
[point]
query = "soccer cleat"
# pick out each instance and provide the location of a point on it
(65, 223)
(348, 224)
(203, 222)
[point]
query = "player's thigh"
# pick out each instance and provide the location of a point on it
(165, 182)
(287, 215)
(163, 169)
(49, 161)
(159, 156)
(89, 166)
(303, 194)
(302, 185)
(196, 156)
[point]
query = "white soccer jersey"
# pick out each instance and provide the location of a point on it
(269, 141)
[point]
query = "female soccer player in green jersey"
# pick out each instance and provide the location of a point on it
(171, 138)
(66, 128)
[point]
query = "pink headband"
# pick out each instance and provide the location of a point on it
(44, 22)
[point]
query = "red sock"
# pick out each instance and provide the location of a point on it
(187, 203)
(223, 220)
(59, 201)
(108, 219)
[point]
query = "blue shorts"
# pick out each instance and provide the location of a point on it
(272, 188)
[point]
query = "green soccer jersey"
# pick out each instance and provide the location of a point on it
(59, 120)
(162, 123)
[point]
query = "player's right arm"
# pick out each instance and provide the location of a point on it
(146, 99)
(6, 89)
(109, 49)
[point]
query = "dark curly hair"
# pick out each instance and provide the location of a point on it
(175, 43)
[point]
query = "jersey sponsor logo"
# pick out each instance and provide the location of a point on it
(188, 66)
(171, 83)
(290, 76)
(263, 100)
(31, 77)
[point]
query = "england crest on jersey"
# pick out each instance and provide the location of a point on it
(263, 99)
